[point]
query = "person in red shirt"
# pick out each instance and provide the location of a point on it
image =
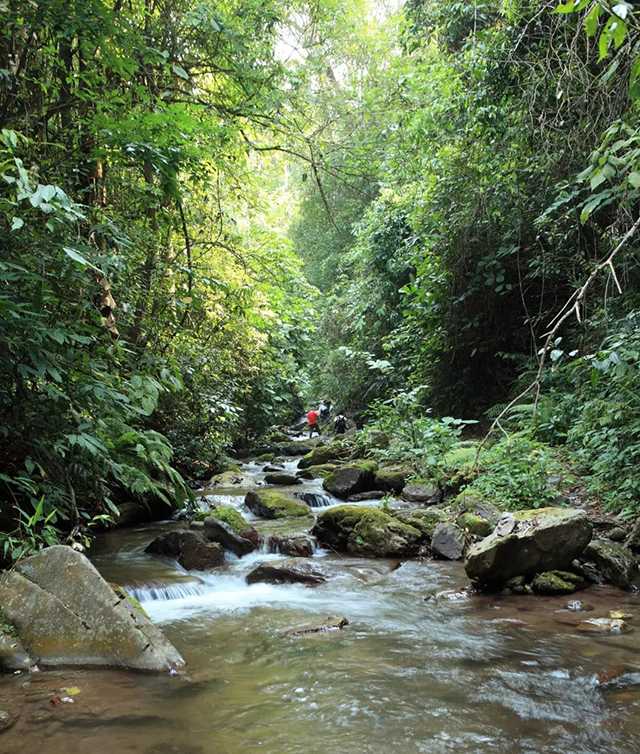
(312, 418)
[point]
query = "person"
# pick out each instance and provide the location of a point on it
(312, 418)
(325, 410)
(340, 423)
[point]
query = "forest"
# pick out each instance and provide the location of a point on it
(220, 214)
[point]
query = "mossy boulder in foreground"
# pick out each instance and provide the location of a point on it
(65, 613)
(558, 582)
(529, 542)
(366, 531)
(272, 504)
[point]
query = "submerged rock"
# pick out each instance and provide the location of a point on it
(448, 542)
(558, 582)
(189, 548)
(540, 540)
(616, 564)
(290, 571)
(604, 626)
(365, 531)
(65, 613)
(348, 480)
(392, 478)
(332, 623)
(422, 491)
(272, 504)
(282, 479)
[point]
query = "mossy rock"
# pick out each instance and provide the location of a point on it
(425, 520)
(323, 454)
(131, 600)
(476, 525)
(558, 582)
(617, 565)
(266, 457)
(272, 504)
(320, 471)
(348, 480)
(392, 478)
(421, 490)
(360, 530)
(233, 518)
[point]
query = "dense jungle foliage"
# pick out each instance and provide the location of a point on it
(217, 213)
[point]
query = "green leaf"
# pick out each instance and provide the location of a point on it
(17, 223)
(634, 179)
(77, 257)
(179, 71)
(567, 7)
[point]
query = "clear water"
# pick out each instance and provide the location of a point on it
(408, 675)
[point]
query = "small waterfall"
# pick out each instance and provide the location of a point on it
(315, 499)
(167, 592)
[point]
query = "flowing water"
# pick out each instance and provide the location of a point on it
(408, 674)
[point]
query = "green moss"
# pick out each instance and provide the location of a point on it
(368, 467)
(375, 528)
(425, 520)
(272, 504)
(557, 582)
(7, 627)
(323, 470)
(131, 600)
(475, 525)
(266, 457)
(231, 517)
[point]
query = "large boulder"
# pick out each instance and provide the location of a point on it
(366, 531)
(292, 545)
(422, 491)
(529, 542)
(236, 521)
(65, 613)
(272, 504)
(392, 478)
(472, 502)
(616, 564)
(290, 571)
(476, 526)
(448, 542)
(423, 519)
(191, 549)
(348, 480)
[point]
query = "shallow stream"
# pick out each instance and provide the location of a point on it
(407, 675)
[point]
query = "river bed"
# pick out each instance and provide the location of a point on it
(408, 674)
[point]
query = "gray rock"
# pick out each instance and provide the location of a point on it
(290, 571)
(332, 623)
(422, 492)
(282, 479)
(616, 564)
(219, 531)
(540, 540)
(65, 613)
(291, 545)
(392, 478)
(189, 548)
(348, 480)
(13, 656)
(558, 582)
(361, 497)
(448, 542)
(617, 534)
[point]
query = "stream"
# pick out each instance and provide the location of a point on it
(408, 674)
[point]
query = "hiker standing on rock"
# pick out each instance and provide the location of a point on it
(340, 423)
(312, 418)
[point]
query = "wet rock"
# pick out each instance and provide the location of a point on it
(291, 545)
(298, 448)
(332, 623)
(6, 720)
(476, 526)
(620, 614)
(633, 541)
(617, 534)
(604, 626)
(196, 525)
(365, 531)
(361, 497)
(558, 582)
(306, 474)
(276, 468)
(577, 606)
(13, 656)
(220, 532)
(422, 491)
(271, 504)
(265, 457)
(131, 513)
(65, 613)
(315, 472)
(290, 571)
(322, 455)
(617, 565)
(392, 478)
(541, 540)
(314, 499)
(423, 519)
(448, 542)
(229, 479)
(348, 480)
(450, 595)
(236, 521)
(189, 548)
(282, 479)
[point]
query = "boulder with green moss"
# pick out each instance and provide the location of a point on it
(272, 504)
(392, 478)
(558, 582)
(470, 501)
(323, 454)
(313, 472)
(217, 530)
(422, 491)
(265, 457)
(366, 531)
(616, 564)
(347, 480)
(423, 519)
(474, 525)
(236, 521)
(529, 542)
